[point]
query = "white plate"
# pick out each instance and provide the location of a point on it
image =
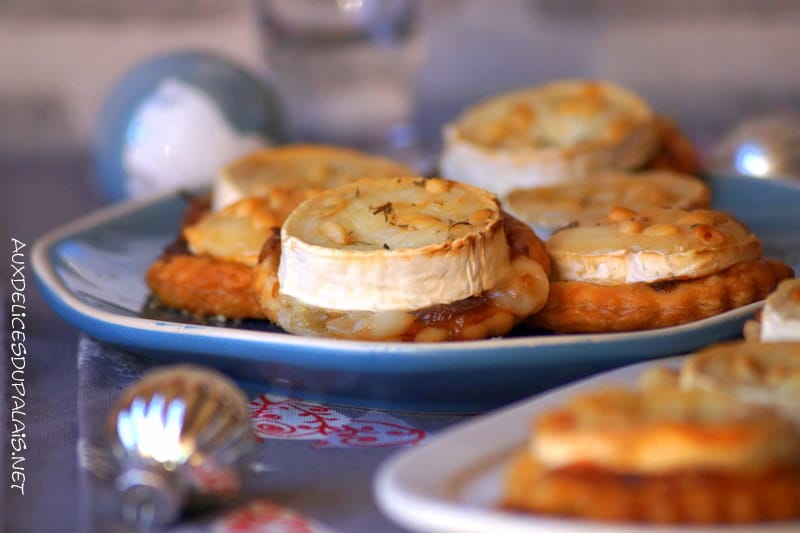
(454, 483)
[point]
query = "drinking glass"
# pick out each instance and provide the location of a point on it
(346, 71)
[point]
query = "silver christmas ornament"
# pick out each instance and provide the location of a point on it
(764, 146)
(178, 436)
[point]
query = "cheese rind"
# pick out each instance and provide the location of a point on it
(780, 318)
(652, 245)
(393, 244)
(549, 134)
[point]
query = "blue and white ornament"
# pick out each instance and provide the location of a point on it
(173, 121)
(766, 145)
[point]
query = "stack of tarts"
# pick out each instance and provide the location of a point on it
(379, 258)
(716, 442)
(209, 270)
(331, 242)
(408, 259)
(653, 268)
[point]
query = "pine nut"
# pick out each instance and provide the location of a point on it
(661, 230)
(708, 235)
(437, 185)
(629, 227)
(618, 214)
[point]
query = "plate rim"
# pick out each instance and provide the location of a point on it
(421, 510)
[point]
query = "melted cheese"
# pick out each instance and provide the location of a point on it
(236, 233)
(664, 430)
(393, 244)
(584, 202)
(651, 245)
(780, 318)
(548, 134)
(298, 167)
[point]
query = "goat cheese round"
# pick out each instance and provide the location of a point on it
(393, 244)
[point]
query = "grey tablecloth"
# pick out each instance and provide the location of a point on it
(313, 465)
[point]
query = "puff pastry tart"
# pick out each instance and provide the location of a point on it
(662, 455)
(549, 134)
(761, 373)
(653, 268)
(210, 270)
(406, 259)
(585, 202)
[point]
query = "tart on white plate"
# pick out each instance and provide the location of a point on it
(405, 259)
(661, 455)
(653, 268)
(549, 134)
(585, 202)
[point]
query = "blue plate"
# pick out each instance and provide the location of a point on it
(92, 274)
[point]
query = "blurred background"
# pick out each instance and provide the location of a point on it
(706, 63)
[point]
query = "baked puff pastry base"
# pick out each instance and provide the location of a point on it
(205, 287)
(579, 307)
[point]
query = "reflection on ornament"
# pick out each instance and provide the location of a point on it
(751, 159)
(765, 146)
(178, 138)
(178, 435)
(172, 121)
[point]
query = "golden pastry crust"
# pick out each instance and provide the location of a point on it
(693, 497)
(492, 313)
(204, 286)
(579, 307)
